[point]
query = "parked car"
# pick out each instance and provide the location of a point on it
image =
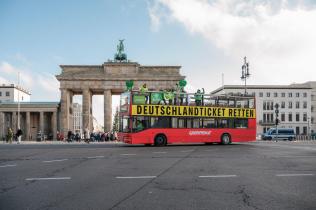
(283, 133)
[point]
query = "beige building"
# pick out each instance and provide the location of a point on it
(35, 117)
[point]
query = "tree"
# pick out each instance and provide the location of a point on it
(115, 126)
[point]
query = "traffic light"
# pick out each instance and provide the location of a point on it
(277, 121)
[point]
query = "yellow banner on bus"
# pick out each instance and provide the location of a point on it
(192, 111)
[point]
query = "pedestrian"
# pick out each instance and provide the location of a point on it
(19, 134)
(10, 135)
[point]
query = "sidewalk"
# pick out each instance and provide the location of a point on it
(60, 142)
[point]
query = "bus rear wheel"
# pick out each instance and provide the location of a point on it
(160, 140)
(225, 139)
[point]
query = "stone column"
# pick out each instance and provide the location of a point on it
(2, 131)
(91, 115)
(54, 125)
(14, 122)
(28, 126)
(107, 110)
(41, 122)
(86, 109)
(64, 111)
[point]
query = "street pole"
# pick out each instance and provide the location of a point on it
(18, 100)
(276, 119)
(245, 72)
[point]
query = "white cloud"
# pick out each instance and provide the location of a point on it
(279, 37)
(48, 82)
(7, 68)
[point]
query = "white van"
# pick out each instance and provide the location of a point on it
(283, 133)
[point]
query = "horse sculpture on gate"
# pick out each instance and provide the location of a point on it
(120, 55)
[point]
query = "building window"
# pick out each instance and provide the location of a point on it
(290, 95)
(283, 104)
(297, 104)
(297, 95)
(305, 104)
(290, 117)
(282, 117)
(297, 117)
(7, 93)
(261, 94)
(275, 94)
(305, 130)
(297, 130)
(305, 117)
(0, 93)
(268, 94)
(264, 118)
(290, 104)
(304, 95)
(264, 105)
(282, 95)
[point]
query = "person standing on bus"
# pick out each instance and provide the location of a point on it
(198, 96)
(168, 96)
(144, 91)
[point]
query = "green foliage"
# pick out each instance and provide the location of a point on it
(182, 83)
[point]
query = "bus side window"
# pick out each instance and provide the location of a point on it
(196, 123)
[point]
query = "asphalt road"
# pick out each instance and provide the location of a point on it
(259, 175)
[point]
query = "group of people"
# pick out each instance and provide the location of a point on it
(174, 96)
(11, 136)
(89, 136)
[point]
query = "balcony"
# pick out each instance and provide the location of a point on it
(265, 122)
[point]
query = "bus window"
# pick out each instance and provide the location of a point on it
(241, 123)
(160, 122)
(181, 123)
(209, 123)
(124, 125)
(189, 123)
(231, 103)
(140, 123)
(174, 122)
(251, 103)
(225, 123)
(196, 123)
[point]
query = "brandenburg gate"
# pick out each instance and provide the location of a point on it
(107, 79)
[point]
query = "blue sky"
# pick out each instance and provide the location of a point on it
(207, 38)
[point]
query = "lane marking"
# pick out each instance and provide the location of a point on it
(294, 174)
(49, 178)
(4, 166)
(95, 157)
(159, 152)
(50, 161)
(217, 176)
(135, 177)
(128, 154)
(191, 150)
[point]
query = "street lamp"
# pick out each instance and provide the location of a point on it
(245, 72)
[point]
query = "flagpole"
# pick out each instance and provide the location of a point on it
(18, 100)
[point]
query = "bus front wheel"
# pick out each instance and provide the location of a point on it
(225, 139)
(160, 140)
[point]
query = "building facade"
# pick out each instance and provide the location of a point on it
(77, 118)
(294, 105)
(12, 93)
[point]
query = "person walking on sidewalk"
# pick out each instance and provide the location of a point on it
(10, 135)
(19, 134)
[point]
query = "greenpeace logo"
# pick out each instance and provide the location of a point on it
(194, 133)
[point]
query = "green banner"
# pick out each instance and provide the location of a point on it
(156, 98)
(139, 99)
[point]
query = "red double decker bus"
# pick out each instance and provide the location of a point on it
(147, 119)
